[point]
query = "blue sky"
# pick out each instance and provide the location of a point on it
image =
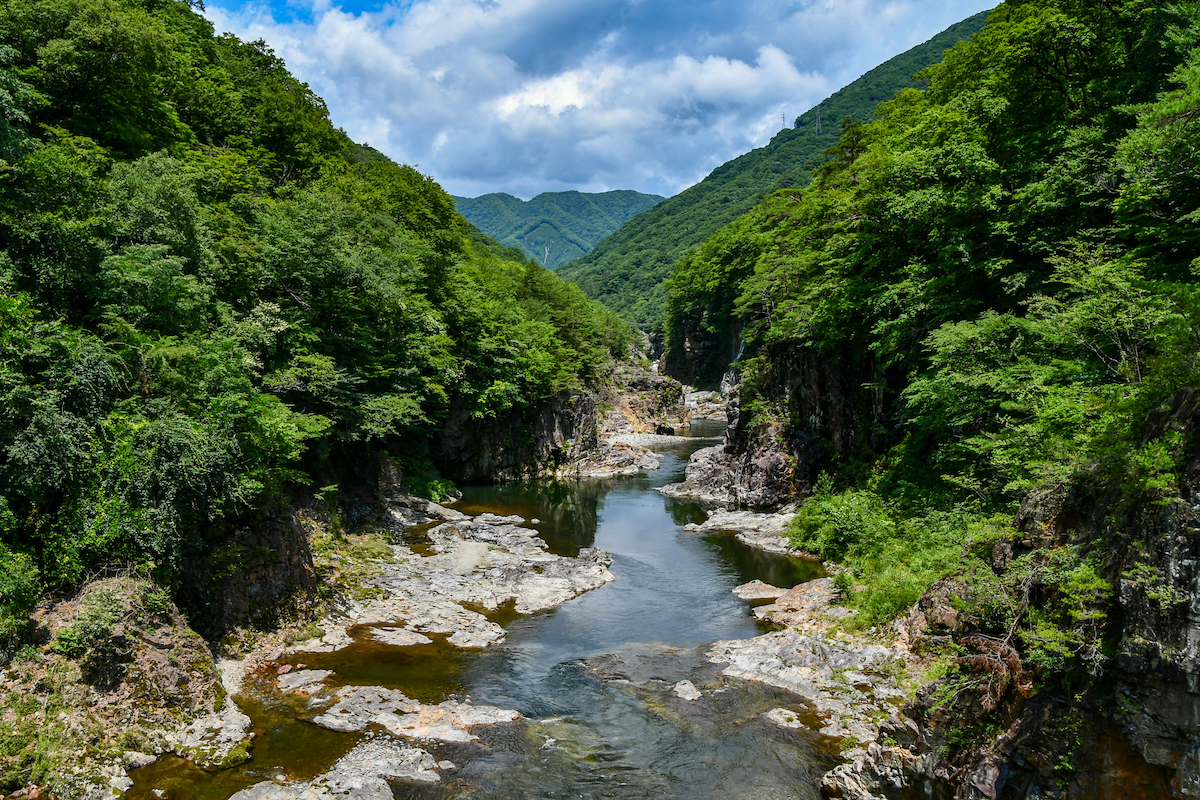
(526, 96)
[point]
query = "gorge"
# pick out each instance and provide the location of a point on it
(311, 489)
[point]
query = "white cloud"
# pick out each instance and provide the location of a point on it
(542, 95)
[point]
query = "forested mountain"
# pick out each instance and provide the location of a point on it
(987, 300)
(211, 299)
(554, 227)
(627, 270)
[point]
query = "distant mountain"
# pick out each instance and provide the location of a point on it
(554, 227)
(627, 270)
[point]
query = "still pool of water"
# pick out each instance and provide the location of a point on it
(592, 678)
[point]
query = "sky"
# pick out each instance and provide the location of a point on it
(530, 96)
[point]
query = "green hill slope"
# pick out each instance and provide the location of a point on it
(213, 302)
(554, 227)
(627, 270)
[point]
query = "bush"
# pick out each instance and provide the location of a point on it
(99, 611)
(19, 588)
(897, 555)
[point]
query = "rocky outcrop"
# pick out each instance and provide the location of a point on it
(260, 575)
(759, 478)
(1133, 731)
(639, 400)
(762, 531)
(471, 450)
(484, 561)
(118, 673)
(850, 685)
(613, 458)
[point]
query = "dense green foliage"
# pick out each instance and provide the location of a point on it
(554, 227)
(211, 298)
(1007, 264)
(627, 271)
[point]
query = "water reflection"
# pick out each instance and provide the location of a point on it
(567, 511)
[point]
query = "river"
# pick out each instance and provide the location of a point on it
(593, 679)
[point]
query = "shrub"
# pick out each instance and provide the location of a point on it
(99, 611)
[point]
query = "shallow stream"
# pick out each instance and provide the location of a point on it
(592, 679)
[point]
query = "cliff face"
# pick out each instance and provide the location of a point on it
(825, 408)
(469, 450)
(1130, 731)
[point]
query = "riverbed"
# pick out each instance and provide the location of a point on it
(593, 679)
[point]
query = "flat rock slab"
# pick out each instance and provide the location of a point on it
(399, 637)
(757, 590)
(307, 681)
(762, 531)
(358, 707)
(362, 774)
(849, 684)
(650, 440)
(445, 722)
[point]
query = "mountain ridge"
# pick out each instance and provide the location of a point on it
(553, 228)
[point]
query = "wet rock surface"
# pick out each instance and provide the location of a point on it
(362, 774)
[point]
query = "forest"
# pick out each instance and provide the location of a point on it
(1000, 274)
(212, 301)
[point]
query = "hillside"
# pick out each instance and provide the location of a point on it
(627, 270)
(972, 341)
(212, 302)
(554, 227)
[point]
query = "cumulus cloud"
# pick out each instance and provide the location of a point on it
(526, 96)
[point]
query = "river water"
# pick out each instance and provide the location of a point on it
(592, 679)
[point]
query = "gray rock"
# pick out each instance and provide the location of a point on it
(686, 690)
(209, 740)
(826, 672)
(399, 637)
(304, 680)
(757, 590)
(358, 707)
(362, 774)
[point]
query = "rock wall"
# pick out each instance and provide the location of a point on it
(259, 576)
(470, 450)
